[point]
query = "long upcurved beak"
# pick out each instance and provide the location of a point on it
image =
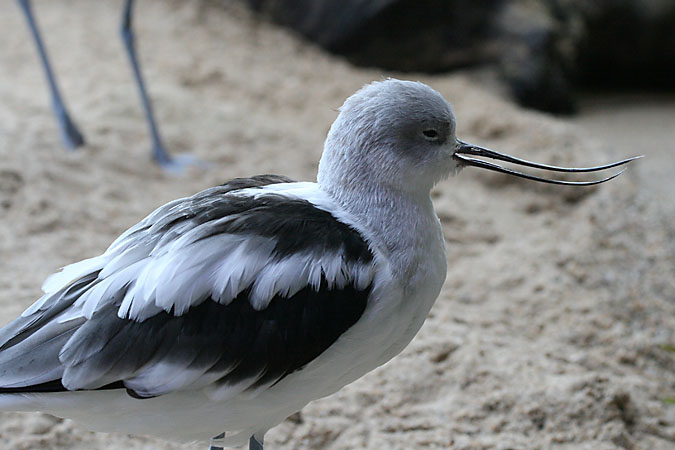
(464, 149)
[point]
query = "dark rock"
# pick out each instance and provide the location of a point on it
(543, 48)
(627, 43)
(407, 35)
(326, 22)
(537, 53)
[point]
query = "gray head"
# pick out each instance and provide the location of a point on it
(397, 133)
(401, 135)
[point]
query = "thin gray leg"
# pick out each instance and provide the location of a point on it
(215, 441)
(72, 138)
(255, 444)
(174, 164)
(158, 152)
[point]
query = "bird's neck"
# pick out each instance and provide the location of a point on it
(401, 223)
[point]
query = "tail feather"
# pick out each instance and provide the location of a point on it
(25, 325)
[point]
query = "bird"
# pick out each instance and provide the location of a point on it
(71, 135)
(220, 314)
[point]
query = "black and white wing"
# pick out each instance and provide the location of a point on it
(234, 287)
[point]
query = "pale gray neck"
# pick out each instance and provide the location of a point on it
(403, 224)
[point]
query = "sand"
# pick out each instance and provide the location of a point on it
(556, 325)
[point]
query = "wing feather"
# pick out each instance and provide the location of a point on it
(228, 288)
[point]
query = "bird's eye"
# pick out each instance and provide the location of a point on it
(430, 134)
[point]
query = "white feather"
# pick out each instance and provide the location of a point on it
(73, 272)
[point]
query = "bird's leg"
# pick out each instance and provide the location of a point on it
(255, 443)
(72, 138)
(159, 154)
(174, 164)
(215, 441)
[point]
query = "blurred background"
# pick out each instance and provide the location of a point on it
(543, 50)
(556, 325)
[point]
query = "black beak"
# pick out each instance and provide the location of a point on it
(468, 149)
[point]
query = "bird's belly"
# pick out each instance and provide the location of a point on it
(388, 324)
(385, 329)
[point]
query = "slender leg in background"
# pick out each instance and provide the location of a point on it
(174, 164)
(72, 138)
(158, 152)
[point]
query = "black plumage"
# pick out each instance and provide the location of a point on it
(295, 224)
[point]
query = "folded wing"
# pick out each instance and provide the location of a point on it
(233, 288)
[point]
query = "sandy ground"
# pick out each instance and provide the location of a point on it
(556, 325)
